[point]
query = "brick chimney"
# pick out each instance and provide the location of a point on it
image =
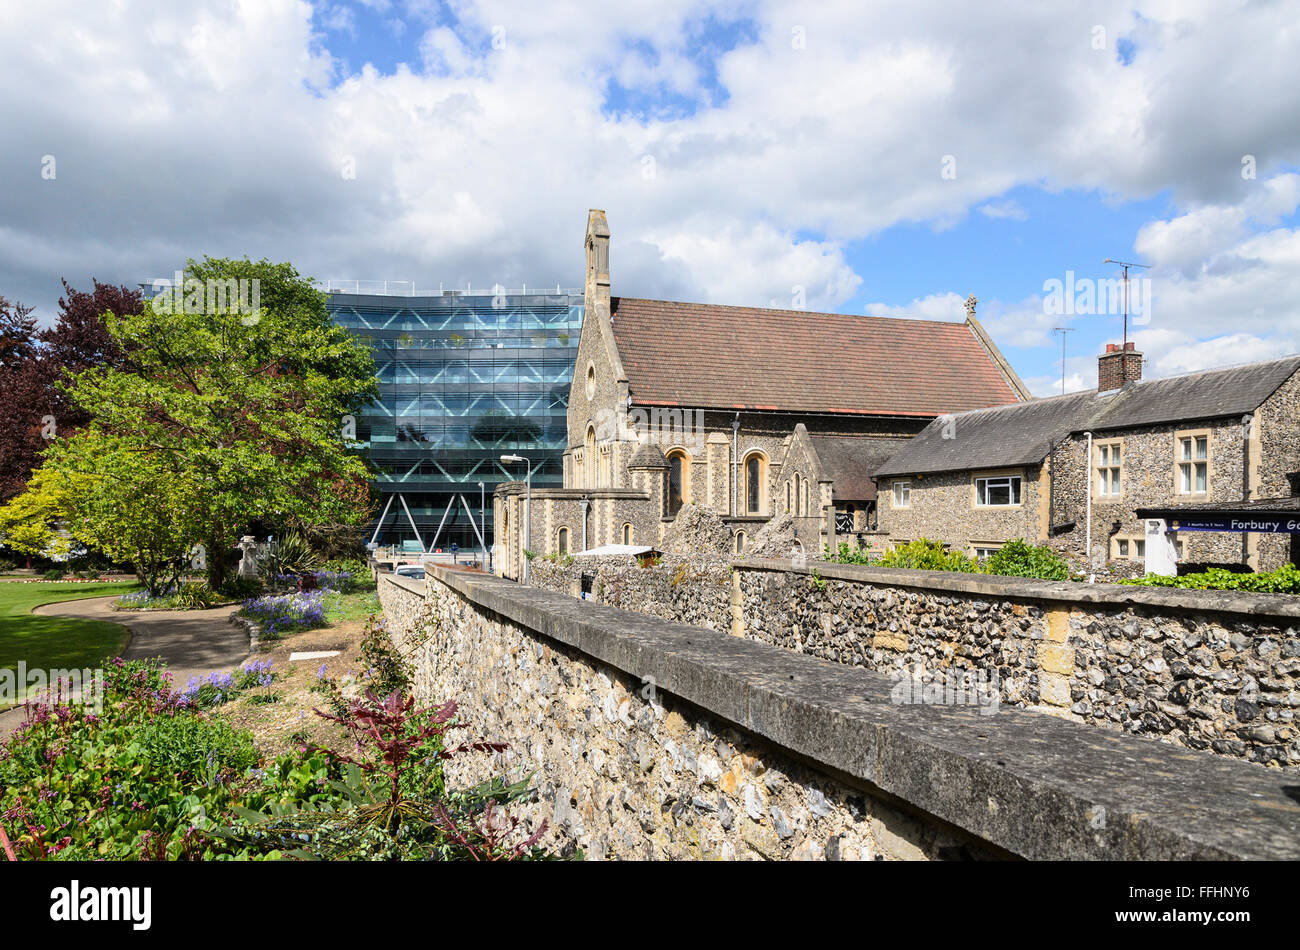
(1118, 367)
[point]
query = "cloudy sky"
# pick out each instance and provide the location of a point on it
(886, 158)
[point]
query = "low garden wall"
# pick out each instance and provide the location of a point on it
(648, 738)
(1209, 670)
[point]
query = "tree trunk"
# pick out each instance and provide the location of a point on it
(216, 562)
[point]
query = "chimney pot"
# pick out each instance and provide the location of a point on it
(1118, 366)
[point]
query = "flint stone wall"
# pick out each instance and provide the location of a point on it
(625, 771)
(1208, 670)
(741, 749)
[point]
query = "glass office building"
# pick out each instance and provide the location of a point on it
(464, 378)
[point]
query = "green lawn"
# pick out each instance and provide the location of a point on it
(55, 642)
(357, 605)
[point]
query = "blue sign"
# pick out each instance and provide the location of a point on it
(1231, 523)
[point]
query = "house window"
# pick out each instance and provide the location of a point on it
(627, 534)
(902, 494)
(1000, 492)
(740, 542)
(591, 381)
(787, 497)
(1132, 549)
(589, 458)
(679, 470)
(796, 512)
(754, 471)
(806, 507)
(985, 551)
(1193, 451)
(562, 541)
(1109, 464)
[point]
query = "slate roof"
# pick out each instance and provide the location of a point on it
(707, 356)
(850, 461)
(1023, 433)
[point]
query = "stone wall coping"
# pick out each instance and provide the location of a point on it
(1284, 608)
(1031, 784)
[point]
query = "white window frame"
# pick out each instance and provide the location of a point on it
(1188, 464)
(987, 481)
(903, 493)
(1110, 476)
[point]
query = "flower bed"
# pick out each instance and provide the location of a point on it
(279, 613)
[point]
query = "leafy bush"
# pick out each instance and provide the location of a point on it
(1018, 559)
(399, 807)
(848, 554)
(152, 778)
(54, 574)
(1285, 580)
(290, 555)
(927, 555)
(194, 747)
(242, 588)
(195, 596)
(346, 565)
(188, 596)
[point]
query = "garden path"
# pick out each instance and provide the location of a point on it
(193, 642)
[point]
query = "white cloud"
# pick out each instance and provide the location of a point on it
(948, 306)
(1003, 209)
(220, 126)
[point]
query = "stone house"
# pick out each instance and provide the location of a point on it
(1083, 472)
(747, 412)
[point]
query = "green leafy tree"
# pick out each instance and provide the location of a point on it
(227, 417)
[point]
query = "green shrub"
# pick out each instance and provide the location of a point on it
(54, 574)
(849, 554)
(927, 555)
(194, 747)
(194, 596)
(1018, 559)
(242, 588)
(1285, 580)
(290, 555)
(346, 565)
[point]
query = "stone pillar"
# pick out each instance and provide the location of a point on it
(718, 459)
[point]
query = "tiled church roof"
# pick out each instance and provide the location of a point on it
(707, 356)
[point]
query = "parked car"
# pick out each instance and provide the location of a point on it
(415, 571)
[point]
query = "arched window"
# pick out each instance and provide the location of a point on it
(755, 476)
(795, 513)
(589, 458)
(679, 481)
(806, 508)
(562, 541)
(787, 496)
(740, 542)
(627, 533)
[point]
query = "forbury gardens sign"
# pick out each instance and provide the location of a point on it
(1227, 522)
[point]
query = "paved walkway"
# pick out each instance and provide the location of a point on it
(193, 642)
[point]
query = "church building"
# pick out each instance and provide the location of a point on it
(749, 412)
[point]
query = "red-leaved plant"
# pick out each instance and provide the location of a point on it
(396, 732)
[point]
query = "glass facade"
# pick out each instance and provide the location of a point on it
(463, 379)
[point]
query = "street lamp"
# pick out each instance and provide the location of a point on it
(528, 504)
(482, 525)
